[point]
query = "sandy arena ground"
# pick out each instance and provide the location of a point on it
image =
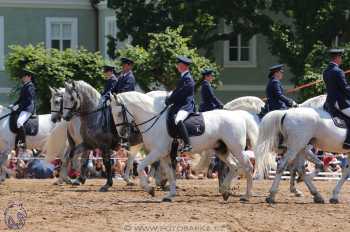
(83, 208)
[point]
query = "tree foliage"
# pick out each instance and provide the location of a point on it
(155, 65)
(316, 62)
(53, 67)
(292, 27)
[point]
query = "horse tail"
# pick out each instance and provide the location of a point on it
(252, 130)
(269, 132)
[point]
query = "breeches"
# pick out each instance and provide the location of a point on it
(345, 111)
(181, 116)
(22, 118)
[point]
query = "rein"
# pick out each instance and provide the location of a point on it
(133, 124)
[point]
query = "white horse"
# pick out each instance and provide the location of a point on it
(51, 138)
(300, 127)
(226, 131)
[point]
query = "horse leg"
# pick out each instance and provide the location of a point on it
(225, 187)
(345, 175)
(3, 159)
(63, 177)
(107, 162)
(83, 166)
(169, 171)
(289, 155)
(247, 166)
(308, 178)
(292, 187)
(129, 164)
(296, 167)
(150, 158)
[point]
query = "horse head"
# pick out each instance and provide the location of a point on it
(56, 104)
(71, 100)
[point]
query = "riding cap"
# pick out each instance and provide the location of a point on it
(27, 72)
(108, 67)
(336, 51)
(275, 68)
(207, 71)
(126, 60)
(184, 60)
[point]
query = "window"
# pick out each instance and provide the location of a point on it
(61, 33)
(111, 30)
(240, 51)
(2, 42)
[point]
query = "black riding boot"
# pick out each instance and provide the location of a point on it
(346, 144)
(184, 136)
(21, 139)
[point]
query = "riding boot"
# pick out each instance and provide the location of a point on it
(346, 144)
(184, 136)
(21, 139)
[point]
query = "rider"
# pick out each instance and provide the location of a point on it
(111, 82)
(24, 106)
(209, 100)
(126, 81)
(338, 90)
(276, 100)
(182, 99)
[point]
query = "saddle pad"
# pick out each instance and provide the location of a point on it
(31, 126)
(339, 119)
(194, 124)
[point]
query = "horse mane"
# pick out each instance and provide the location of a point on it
(148, 103)
(248, 103)
(85, 88)
(315, 102)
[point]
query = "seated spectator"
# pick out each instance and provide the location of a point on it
(40, 169)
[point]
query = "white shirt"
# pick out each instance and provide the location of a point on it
(184, 73)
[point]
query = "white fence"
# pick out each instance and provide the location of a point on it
(320, 176)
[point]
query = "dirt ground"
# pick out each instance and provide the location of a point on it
(83, 208)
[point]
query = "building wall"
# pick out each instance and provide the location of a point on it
(26, 25)
(244, 81)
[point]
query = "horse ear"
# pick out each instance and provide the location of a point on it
(67, 85)
(52, 90)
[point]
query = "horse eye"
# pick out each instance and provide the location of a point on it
(71, 98)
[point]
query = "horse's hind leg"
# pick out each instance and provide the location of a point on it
(289, 155)
(345, 175)
(170, 173)
(248, 169)
(292, 180)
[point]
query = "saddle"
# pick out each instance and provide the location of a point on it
(31, 126)
(194, 124)
(340, 120)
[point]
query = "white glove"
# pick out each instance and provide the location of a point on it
(295, 104)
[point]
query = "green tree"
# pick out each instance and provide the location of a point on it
(292, 27)
(53, 67)
(155, 65)
(316, 62)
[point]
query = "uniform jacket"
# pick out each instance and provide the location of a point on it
(275, 97)
(337, 88)
(109, 86)
(209, 100)
(182, 97)
(26, 101)
(125, 83)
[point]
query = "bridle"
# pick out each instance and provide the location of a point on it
(60, 111)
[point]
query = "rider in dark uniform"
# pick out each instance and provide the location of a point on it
(126, 81)
(276, 100)
(209, 100)
(182, 99)
(111, 82)
(337, 88)
(24, 106)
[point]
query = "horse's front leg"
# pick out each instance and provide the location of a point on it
(150, 158)
(170, 173)
(130, 163)
(248, 169)
(63, 176)
(107, 162)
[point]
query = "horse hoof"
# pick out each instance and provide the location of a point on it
(334, 201)
(76, 183)
(226, 195)
(152, 192)
(104, 189)
(165, 199)
(318, 200)
(298, 194)
(270, 200)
